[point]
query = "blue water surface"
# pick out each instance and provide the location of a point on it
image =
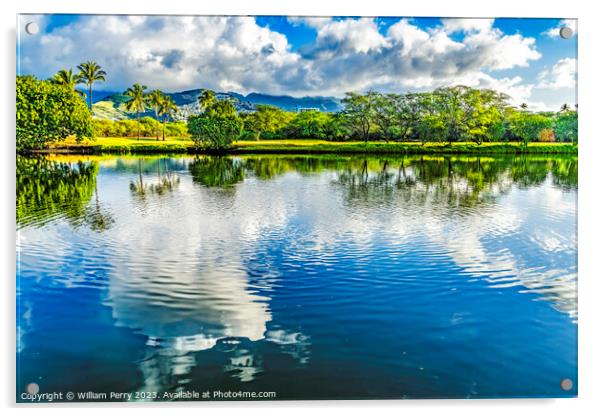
(314, 277)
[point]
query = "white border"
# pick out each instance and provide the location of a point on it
(590, 288)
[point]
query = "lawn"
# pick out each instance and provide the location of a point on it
(185, 145)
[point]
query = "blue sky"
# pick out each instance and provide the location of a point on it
(311, 56)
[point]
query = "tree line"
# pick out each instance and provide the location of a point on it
(450, 114)
(50, 110)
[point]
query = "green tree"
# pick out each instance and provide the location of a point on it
(206, 98)
(483, 109)
(68, 79)
(359, 113)
(408, 110)
(430, 125)
(430, 128)
(496, 131)
(565, 126)
(155, 98)
(308, 124)
(46, 112)
(216, 127)
(452, 111)
(89, 73)
(336, 127)
(267, 121)
(385, 114)
(168, 109)
(137, 101)
(527, 126)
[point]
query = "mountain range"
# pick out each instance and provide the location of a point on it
(111, 105)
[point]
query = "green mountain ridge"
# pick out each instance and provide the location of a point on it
(113, 106)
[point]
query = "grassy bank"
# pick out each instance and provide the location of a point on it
(304, 146)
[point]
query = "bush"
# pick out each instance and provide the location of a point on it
(103, 128)
(47, 112)
(129, 128)
(149, 127)
(547, 135)
(176, 129)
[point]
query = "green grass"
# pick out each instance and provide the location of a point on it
(306, 146)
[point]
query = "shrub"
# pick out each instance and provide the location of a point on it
(176, 129)
(149, 127)
(102, 128)
(547, 135)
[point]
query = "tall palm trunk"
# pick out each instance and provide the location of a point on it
(164, 121)
(157, 118)
(90, 97)
(138, 125)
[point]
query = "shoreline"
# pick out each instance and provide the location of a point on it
(309, 146)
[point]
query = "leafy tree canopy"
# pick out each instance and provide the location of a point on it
(48, 112)
(216, 127)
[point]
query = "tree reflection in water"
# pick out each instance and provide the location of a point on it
(47, 190)
(165, 181)
(216, 171)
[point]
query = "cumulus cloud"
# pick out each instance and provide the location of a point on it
(408, 57)
(315, 22)
(337, 37)
(467, 25)
(169, 52)
(561, 75)
(236, 53)
(554, 32)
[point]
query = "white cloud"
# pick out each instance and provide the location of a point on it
(467, 25)
(498, 51)
(554, 32)
(561, 75)
(315, 22)
(235, 53)
(350, 36)
(169, 52)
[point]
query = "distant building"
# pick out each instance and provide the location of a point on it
(303, 109)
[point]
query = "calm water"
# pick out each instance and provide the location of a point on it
(311, 277)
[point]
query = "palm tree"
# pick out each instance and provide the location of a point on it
(90, 72)
(564, 107)
(155, 98)
(67, 78)
(167, 109)
(138, 188)
(524, 106)
(206, 98)
(137, 101)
